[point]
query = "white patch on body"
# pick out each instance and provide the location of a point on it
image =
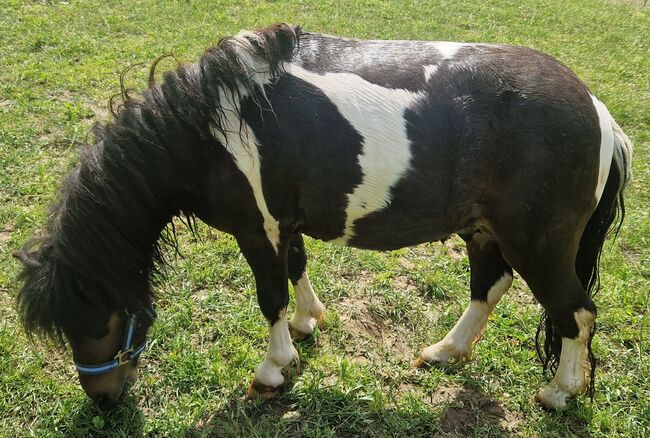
(243, 149)
(280, 354)
(458, 343)
(606, 145)
(309, 309)
(571, 375)
(240, 140)
(429, 71)
(377, 113)
(448, 49)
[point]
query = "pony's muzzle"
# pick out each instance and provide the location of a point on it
(104, 401)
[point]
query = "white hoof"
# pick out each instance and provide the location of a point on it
(553, 397)
(442, 353)
(301, 328)
(303, 322)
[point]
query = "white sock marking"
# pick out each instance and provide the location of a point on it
(457, 344)
(280, 354)
(570, 377)
(498, 289)
(606, 145)
(308, 306)
(377, 113)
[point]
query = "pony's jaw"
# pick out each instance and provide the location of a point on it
(105, 390)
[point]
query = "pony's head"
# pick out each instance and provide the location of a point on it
(58, 303)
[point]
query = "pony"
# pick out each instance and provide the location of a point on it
(280, 133)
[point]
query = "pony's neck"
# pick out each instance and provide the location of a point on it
(115, 205)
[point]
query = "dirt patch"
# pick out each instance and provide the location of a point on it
(642, 3)
(7, 304)
(5, 237)
(404, 284)
(200, 295)
(6, 105)
(631, 256)
(369, 337)
(467, 410)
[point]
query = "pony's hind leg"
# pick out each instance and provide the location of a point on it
(309, 310)
(491, 277)
(548, 266)
(572, 314)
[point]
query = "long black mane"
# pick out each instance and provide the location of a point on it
(102, 244)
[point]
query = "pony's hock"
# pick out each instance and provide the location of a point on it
(374, 144)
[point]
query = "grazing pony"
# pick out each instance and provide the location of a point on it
(372, 144)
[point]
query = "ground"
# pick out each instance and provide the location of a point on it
(60, 64)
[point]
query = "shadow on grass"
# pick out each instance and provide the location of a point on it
(125, 420)
(330, 411)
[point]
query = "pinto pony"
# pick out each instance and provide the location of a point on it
(373, 144)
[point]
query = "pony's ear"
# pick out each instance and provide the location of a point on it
(33, 252)
(281, 39)
(34, 298)
(286, 36)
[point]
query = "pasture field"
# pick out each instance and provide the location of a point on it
(60, 63)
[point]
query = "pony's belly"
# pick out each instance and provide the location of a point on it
(388, 233)
(396, 239)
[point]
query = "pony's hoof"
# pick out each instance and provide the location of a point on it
(440, 355)
(553, 398)
(298, 335)
(257, 390)
(301, 329)
(421, 363)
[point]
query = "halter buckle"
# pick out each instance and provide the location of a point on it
(123, 356)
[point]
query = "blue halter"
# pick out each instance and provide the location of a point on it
(128, 351)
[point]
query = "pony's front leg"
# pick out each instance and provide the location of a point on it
(270, 270)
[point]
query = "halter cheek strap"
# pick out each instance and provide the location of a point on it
(127, 353)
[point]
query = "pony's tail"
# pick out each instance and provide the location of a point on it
(607, 218)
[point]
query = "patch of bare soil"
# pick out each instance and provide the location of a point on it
(642, 3)
(201, 294)
(631, 256)
(467, 411)
(5, 235)
(7, 312)
(371, 338)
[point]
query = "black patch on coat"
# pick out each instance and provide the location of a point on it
(309, 157)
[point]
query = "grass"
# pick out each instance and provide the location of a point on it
(60, 64)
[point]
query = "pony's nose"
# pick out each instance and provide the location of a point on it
(104, 401)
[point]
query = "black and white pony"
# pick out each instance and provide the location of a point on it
(372, 144)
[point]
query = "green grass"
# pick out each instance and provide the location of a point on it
(59, 64)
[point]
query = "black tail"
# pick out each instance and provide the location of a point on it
(607, 218)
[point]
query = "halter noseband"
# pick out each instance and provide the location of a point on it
(127, 353)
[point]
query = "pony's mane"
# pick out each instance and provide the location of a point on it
(103, 244)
